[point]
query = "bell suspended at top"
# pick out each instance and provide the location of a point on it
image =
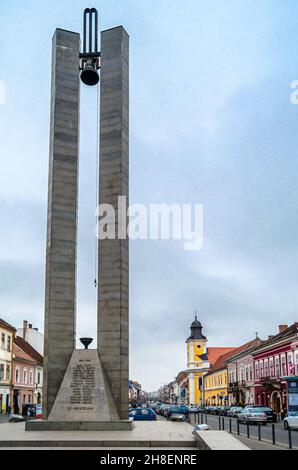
(89, 57)
(89, 74)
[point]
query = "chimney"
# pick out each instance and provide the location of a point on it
(282, 328)
(270, 336)
(25, 329)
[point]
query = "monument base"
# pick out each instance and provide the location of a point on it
(40, 425)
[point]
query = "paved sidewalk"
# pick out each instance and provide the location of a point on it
(3, 418)
(144, 434)
(253, 444)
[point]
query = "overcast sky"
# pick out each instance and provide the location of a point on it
(211, 122)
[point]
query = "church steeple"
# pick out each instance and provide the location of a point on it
(196, 329)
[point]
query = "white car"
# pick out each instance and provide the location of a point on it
(291, 421)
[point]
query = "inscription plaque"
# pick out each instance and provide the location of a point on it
(83, 395)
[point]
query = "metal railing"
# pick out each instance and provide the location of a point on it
(225, 423)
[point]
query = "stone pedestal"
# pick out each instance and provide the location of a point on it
(84, 400)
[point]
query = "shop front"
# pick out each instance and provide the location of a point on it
(272, 394)
(4, 399)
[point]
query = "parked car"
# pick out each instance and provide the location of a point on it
(165, 409)
(219, 410)
(160, 408)
(210, 410)
(291, 421)
(214, 410)
(178, 410)
(271, 415)
(252, 415)
(234, 411)
(194, 409)
(225, 410)
(142, 414)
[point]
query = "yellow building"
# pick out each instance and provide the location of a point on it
(7, 333)
(216, 382)
(197, 362)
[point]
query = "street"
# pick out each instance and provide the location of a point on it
(281, 436)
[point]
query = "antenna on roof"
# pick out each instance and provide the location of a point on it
(196, 316)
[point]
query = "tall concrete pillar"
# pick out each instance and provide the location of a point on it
(113, 182)
(60, 297)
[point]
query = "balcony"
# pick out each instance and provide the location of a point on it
(233, 386)
(270, 382)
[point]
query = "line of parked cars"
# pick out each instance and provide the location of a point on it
(249, 413)
(169, 410)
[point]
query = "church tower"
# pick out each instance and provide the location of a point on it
(197, 361)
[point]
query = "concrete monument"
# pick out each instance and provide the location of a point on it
(86, 389)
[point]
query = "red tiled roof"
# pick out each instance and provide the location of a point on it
(4, 324)
(181, 376)
(220, 363)
(270, 341)
(27, 348)
(214, 353)
(250, 344)
(20, 354)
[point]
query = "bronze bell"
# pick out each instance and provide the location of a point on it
(89, 74)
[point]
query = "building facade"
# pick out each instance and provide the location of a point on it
(135, 391)
(276, 370)
(24, 372)
(199, 360)
(216, 382)
(7, 334)
(38, 359)
(240, 367)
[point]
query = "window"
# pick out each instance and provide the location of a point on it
(257, 371)
(2, 341)
(17, 375)
(261, 369)
(291, 365)
(250, 372)
(296, 362)
(7, 372)
(1, 371)
(8, 343)
(277, 372)
(25, 377)
(38, 378)
(271, 367)
(29, 398)
(31, 377)
(283, 365)
(266, 368)
(246, 373)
